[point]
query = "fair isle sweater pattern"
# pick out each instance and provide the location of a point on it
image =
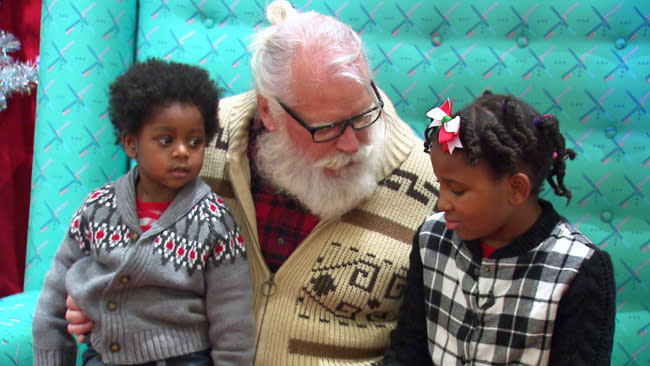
(154, 294)
(190, 254)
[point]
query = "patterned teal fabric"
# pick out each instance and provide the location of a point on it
(585, 62)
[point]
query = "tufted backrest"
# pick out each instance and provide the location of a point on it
(585, 62)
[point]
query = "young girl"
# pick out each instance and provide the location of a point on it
(499, 277)
(155, 258)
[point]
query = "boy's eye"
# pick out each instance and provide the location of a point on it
(197, 141)
(457, 192)
(164, 140)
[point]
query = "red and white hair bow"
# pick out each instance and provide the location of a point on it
(448, 134)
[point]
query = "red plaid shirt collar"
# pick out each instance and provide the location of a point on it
(282, 222)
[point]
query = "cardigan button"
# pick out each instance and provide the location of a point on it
(487, 268)
(134, 236)
(111, 305)
(125, 279)
(115, 347)
(280, 241)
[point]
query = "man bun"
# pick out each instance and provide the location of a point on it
(280, 10)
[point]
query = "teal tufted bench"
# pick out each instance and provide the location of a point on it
(585, 62)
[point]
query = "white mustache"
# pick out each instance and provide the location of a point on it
(341, 160)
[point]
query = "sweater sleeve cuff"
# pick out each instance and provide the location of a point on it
(55, 357)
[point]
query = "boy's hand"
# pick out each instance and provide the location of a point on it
(78, 322)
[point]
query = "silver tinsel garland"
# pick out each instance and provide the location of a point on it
(15, 77)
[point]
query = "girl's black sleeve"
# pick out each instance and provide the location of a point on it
(408, 342)
(584, 326)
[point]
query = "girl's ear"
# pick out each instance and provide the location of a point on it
(129, 144)
(520, 188)
(264, 109)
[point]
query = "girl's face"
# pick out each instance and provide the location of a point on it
(169, 151)
(476, 205)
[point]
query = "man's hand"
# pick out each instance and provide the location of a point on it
(78, 322)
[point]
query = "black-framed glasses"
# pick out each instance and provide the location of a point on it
(329, 131)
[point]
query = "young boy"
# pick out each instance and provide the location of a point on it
(155, 258)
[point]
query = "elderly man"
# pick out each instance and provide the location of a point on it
(328, 186)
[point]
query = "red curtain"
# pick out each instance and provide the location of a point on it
(22, 18)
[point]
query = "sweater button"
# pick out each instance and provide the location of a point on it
(115, 347)
(134, 236)
(125, 279)
(111, 305)
(280, 241)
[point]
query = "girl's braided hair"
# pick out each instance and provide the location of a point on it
(511, 136)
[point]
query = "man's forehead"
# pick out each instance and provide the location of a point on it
(333, 102)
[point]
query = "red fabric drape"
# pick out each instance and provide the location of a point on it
(23, 20)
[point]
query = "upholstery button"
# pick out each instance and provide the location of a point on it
(610, 132)
(620, 43)
(115, 347)
(111, 305)
(436, 41)
(208, 22)
(522, 42)
(134, 236)
(606, 216)
(125, 279)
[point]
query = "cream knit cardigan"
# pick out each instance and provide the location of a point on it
(336, 298)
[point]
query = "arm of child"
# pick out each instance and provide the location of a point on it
(229, 306)
(408, 342)
(584, 327)
(229, 300)
(51, 342)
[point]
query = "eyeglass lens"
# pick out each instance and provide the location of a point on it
(358, 123)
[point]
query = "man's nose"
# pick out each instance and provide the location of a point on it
(348, 142)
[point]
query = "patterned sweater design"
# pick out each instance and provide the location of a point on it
(336, 298)
(177, 288)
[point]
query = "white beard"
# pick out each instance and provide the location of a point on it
(325, 196)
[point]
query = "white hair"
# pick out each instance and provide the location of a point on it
(333, 48)
(326, 196)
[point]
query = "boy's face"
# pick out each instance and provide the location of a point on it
(168, 149)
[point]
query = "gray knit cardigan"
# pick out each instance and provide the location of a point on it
(182, 286)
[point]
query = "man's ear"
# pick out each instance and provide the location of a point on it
(264, 109)
(129, 144)
(520, 188)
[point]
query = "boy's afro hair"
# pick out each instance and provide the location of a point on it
(155, 83)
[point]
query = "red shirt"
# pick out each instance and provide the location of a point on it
(149, 212)
(282, 222)
(487, 250)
